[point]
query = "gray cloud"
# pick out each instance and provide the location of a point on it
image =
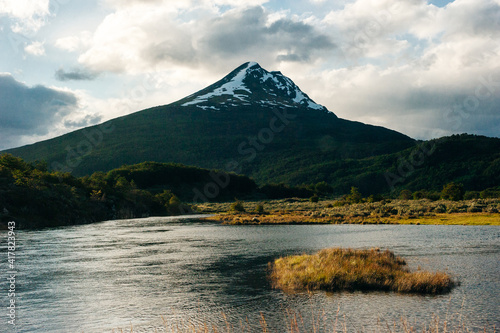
(238, 35)
(87, 120)
(179, 51)
(75, 75)
(242, 31)
(30, 110)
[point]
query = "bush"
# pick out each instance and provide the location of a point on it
(259, 208)
(405, 195)
(323, 188)
(469, 195)
(237, 206)
(314, 198)
(490, 193)
(423, 194)
(452, 191)
(417, 195)
(355, 196)
(374, 198)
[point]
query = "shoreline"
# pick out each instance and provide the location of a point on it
(410, 212)
(297, 219)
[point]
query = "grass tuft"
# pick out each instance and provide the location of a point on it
(339, 269)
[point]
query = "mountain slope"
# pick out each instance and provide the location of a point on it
(471, 160)
(252, 121)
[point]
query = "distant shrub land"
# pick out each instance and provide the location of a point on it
(35, 197)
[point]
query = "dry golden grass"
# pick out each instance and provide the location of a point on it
(301, 218)
(298, 211)
(339, 269)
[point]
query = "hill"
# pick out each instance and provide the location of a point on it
(471, 160)
(252, 122)
(35, 197)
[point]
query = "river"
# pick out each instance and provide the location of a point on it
(114, 274)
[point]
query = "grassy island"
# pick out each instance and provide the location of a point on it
(338, 269)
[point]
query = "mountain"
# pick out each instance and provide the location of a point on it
(252, 121)
(248, 85)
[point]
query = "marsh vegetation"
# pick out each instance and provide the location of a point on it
(339, 269)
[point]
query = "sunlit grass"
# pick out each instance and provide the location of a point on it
(340, 269)
(298, 211)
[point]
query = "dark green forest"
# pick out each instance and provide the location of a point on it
(454, 168)
(35, 196)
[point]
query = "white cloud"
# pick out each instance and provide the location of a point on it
(175, 5)
(405, 65)
(29, 16)
(74, 43)
(400, 62)
(147, 38)
(413, 67)
(35, 49)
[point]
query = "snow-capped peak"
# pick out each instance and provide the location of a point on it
(251, 84)
(229, 88)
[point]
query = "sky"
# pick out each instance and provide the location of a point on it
(424, 68)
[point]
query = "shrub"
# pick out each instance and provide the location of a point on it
(469, 195)
(322, 188)
(259, 208)
(452, 191)
(490, 193)
(237, 206)
(374, 198)
(314, 198)
(405, 195)
(355, 196)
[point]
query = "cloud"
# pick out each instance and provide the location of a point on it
(83, 121)
(185, 4)
(445, 94)
(241, 32)
(35, 48)
(30, 110)
(148, 38)
(406, 65)
(77, 74)
(410, 66)
(74, 43)
(28, 16)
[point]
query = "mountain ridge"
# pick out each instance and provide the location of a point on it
(263, 117)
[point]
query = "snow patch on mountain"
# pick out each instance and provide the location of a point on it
(278, 90)
(229, 88)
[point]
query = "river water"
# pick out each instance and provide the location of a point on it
(117, 274)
